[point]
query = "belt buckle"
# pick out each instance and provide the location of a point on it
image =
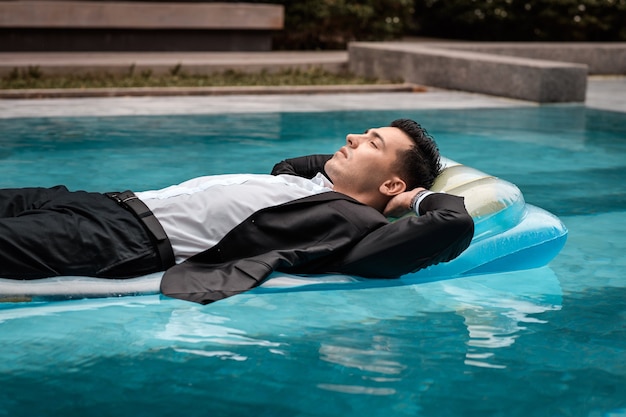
(122, 198)
(115, 197)
(132, 197)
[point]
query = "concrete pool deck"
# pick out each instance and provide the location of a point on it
(602, 91)
(605, 93)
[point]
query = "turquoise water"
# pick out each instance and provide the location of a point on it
(545, 342)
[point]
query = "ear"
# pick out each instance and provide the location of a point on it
(393, 186)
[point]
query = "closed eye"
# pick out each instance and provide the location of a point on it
(377, 140)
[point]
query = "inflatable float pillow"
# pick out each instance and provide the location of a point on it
(495, 205)
(509, 234)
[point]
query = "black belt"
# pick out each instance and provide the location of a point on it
(131, 202)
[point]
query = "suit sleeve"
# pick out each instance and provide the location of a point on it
(303, 166)
(443, 230)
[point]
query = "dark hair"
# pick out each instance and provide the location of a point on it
(422, 163)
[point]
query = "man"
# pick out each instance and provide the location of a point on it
(221, 235)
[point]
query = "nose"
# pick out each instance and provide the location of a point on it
(353, 140)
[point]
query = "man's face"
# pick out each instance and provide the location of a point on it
(367, 160)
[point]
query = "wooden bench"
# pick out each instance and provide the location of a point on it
(137, 26)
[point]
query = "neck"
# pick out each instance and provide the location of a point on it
(378, 202)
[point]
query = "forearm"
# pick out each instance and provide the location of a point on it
(440, 233)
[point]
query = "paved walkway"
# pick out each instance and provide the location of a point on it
(608, 93)
(162, 62)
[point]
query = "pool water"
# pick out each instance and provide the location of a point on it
(544, 342)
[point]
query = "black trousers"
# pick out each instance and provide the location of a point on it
(47, 232)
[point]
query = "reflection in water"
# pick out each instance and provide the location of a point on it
(362, 359)
(496, 310)
(376, 363)
(355, 389)
(196, 326)
(222, 354)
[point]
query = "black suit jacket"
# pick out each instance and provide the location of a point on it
(324, 233)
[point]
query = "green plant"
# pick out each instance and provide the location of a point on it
(176, 70)
(527, 20)
(331, 24)
(20, 79)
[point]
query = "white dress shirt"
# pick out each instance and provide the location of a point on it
(196, 214)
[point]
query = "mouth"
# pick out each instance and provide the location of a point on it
(343, 151)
